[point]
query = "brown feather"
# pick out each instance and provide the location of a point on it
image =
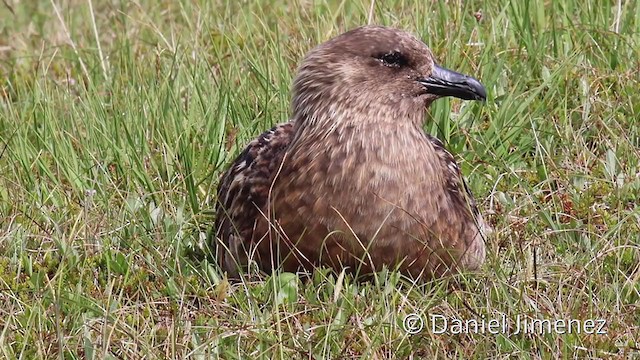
(352, 180)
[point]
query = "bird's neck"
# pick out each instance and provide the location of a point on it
(369, 154)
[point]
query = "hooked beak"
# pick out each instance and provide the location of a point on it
(445, 82)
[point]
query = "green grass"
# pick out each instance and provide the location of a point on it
(117, 118)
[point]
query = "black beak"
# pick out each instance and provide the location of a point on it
(445, 82)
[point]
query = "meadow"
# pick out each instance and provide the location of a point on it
(118, 117)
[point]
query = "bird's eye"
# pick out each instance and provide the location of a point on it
(393, 59)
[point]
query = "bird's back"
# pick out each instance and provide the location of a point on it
(243, 192)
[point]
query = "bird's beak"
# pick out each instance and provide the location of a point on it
(445, 82)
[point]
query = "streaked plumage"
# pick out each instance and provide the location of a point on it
(352, 180)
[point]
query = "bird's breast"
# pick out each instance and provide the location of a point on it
(364, 182)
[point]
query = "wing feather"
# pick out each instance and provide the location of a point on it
(243, 192)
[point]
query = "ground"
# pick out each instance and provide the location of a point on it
(117, 118)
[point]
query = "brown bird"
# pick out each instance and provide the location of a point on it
(352, 180)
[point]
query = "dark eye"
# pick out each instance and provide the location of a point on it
(393, 59)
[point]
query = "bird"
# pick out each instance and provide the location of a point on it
(351, 181)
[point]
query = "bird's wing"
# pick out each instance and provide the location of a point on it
(474, 253)
(243, 191)
(455, 181)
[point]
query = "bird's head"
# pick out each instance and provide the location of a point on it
(375, 70)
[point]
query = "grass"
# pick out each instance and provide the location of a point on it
(116, 119)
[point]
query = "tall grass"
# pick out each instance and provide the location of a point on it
(116, 119)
